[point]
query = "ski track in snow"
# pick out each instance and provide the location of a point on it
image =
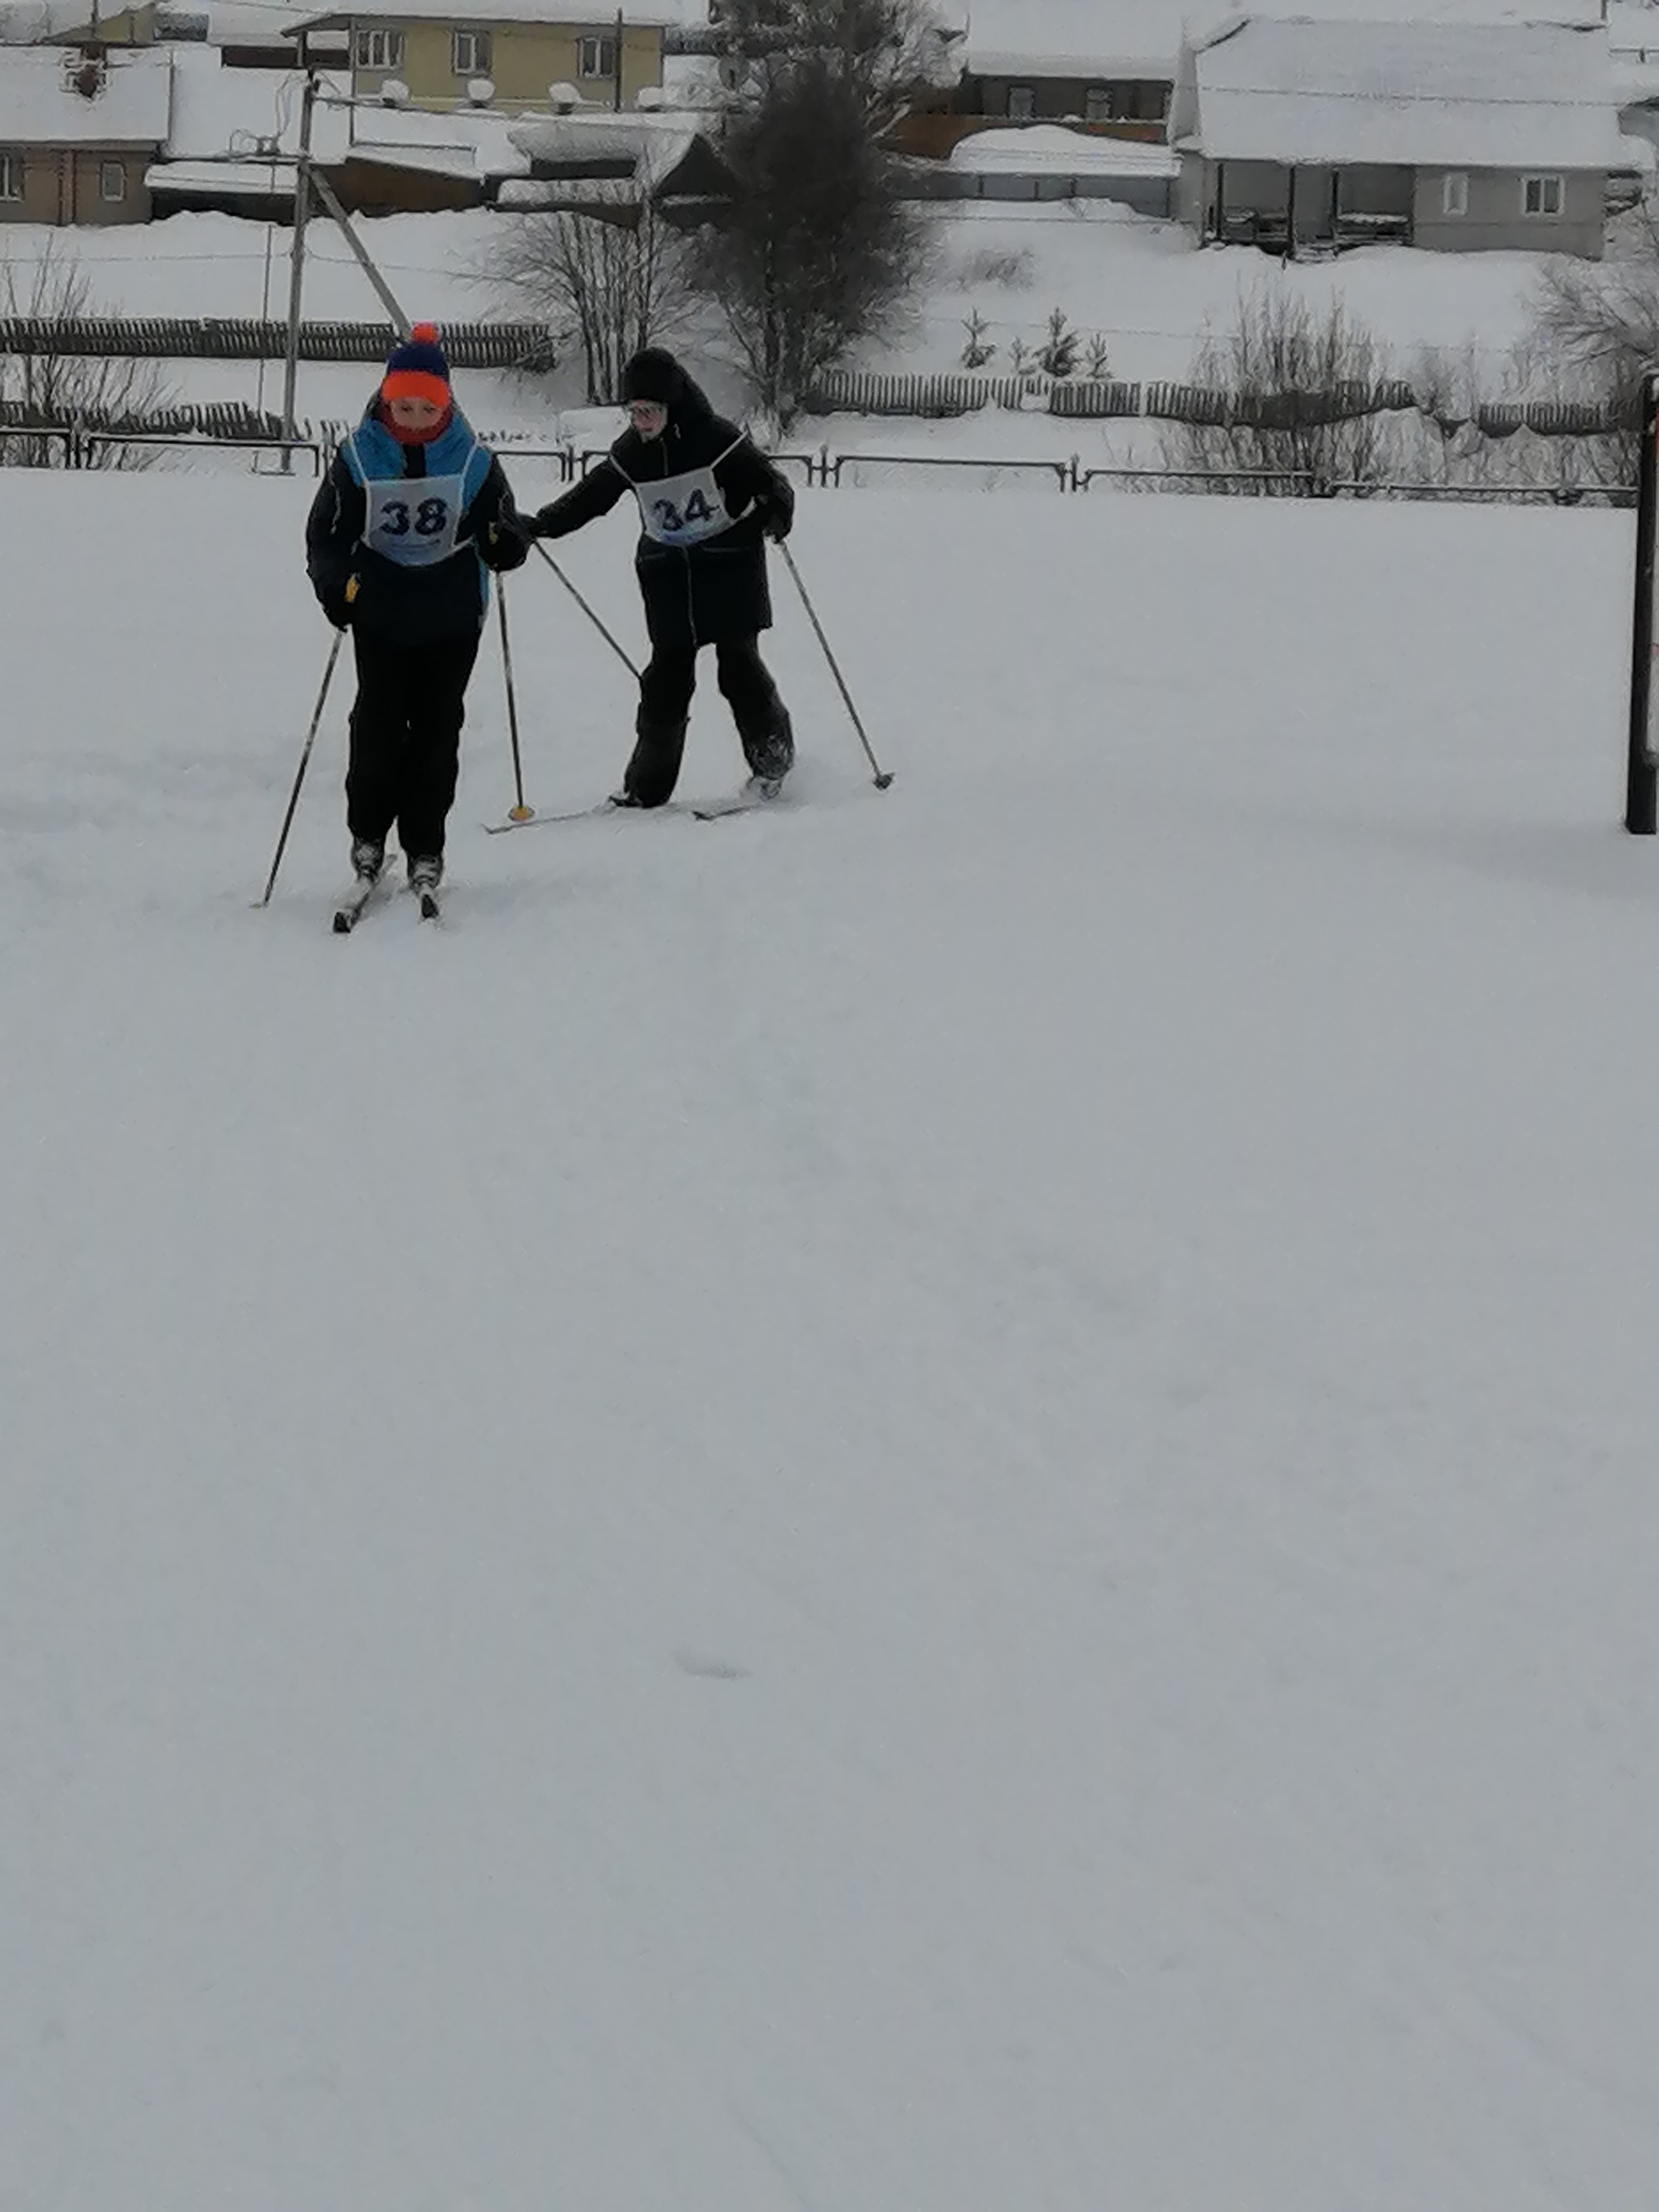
(938, 1503)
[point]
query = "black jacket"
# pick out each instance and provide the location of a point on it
(398, 605)
(714, 592)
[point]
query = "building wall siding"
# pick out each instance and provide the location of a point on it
(525, 59)
(1496, 222)
(1142, 99)
(63, 185)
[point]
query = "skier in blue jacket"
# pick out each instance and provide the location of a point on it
(413, 512)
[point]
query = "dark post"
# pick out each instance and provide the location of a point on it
(1642, 775)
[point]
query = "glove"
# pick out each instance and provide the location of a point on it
(336, 603)
(776, 519)
(508, 541)
(543, 522)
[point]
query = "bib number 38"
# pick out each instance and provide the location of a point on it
(430, 519)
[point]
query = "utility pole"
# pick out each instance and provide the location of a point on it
(1642, 770)
(388, 298)
(296, 266)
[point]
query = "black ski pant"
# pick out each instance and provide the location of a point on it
(406, 738)
(666, 689)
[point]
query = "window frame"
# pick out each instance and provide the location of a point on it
(13, 163)
(480, 48)
(597, 42)
(368, 37)
(1099, 104)
(1455, 195)
(1026, 96)
(108, 167)
(1545, 180)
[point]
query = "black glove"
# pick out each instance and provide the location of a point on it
(776, 518)
(335, 602)
(545, 523)
(508, 541)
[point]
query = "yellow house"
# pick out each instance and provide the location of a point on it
(440, 49)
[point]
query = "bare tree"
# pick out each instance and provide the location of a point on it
(609, 279)
(46, 389)
(1595, 328)
(816, 251)
(887, 51)
(1600, 319)
(1298, 396)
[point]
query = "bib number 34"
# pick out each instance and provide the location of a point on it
(674, 520)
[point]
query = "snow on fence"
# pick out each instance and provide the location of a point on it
(218, 418)
(854, 391)
(212, 338)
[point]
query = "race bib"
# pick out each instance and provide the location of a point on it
(683, 510)
(413, 520)
(414, 523)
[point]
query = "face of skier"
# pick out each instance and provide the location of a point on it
(413, 414)
(648, 417)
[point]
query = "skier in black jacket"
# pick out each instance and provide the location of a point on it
(708, 497)
(412, 512)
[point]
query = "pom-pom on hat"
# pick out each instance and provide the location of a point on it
(416, 370)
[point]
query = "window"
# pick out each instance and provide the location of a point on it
(11, 176)
(1098, 103)
(379, 50)
(469, 53)
(1540, 195)
(112, 182)
(1021, 103)
(596, 56)
(1455, 193)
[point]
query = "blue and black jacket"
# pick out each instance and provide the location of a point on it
(403, 605)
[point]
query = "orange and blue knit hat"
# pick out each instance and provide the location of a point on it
(416, 370)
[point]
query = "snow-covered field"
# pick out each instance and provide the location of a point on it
(1143, 285)
(941, 1503)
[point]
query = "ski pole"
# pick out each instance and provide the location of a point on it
(587, 610)
(883, 776)
(305, 760)
(520, 812)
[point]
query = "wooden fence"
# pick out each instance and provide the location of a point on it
(964, 391)
(212, 338)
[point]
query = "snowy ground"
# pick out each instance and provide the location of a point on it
(1143, 284)
(942, 1504)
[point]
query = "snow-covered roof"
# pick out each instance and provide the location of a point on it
(1632, 26)
(247, 23)
(1049, 150)
(1633, 37)
(39, 106)
(217, 110)
(241, 179)
(1074, 40)
(656, 143)
(466, 143)
(1462, 96)
(1100, 40)
(657, 16)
